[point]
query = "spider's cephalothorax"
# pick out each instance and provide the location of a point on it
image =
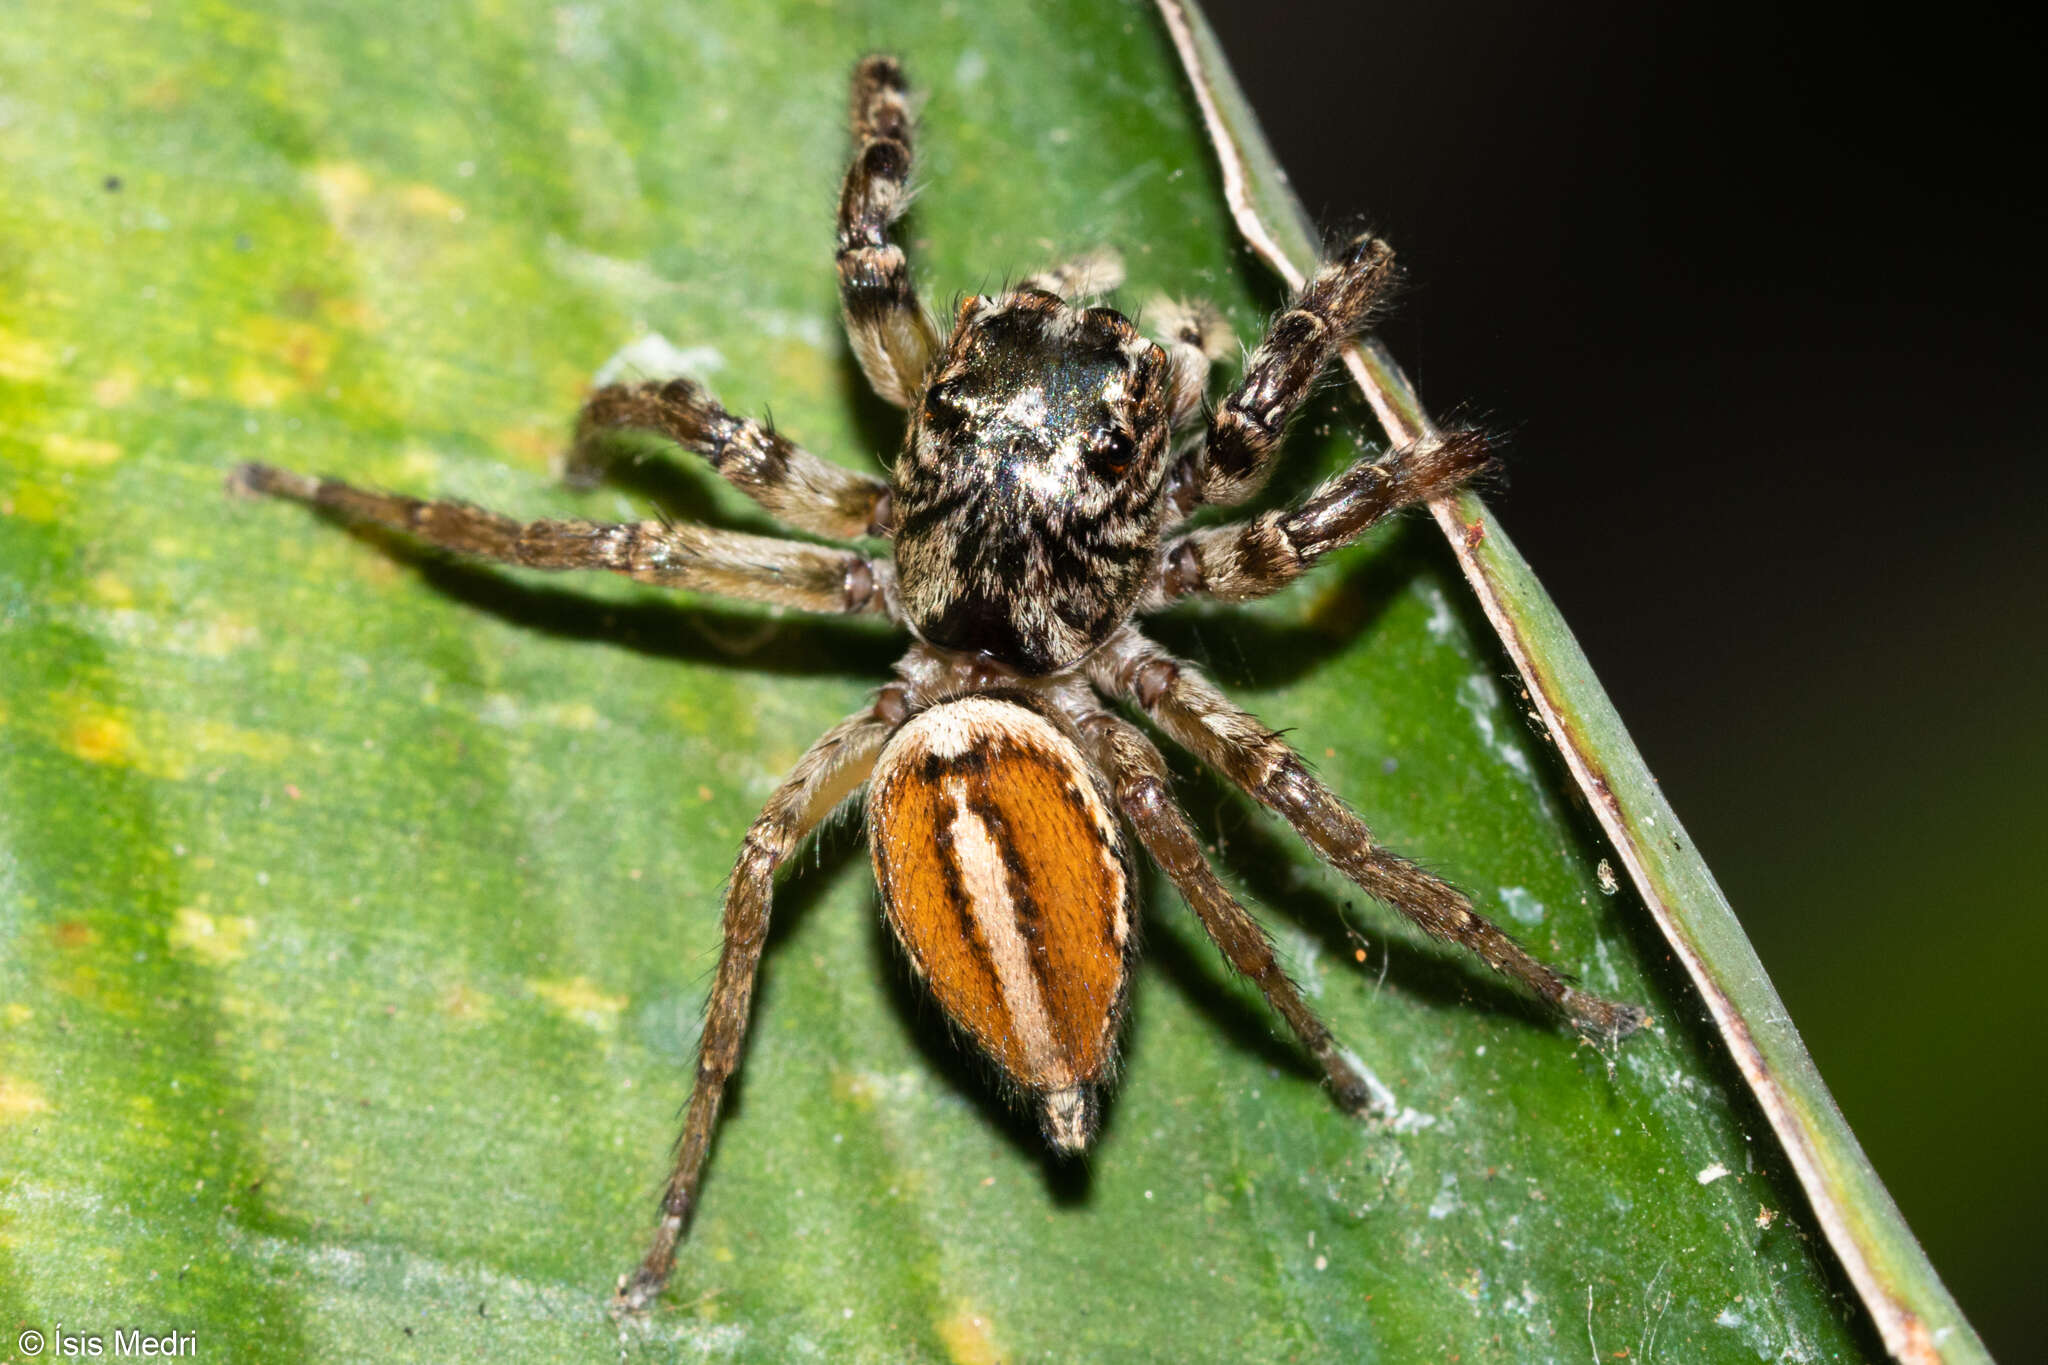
(1028, 495)
(1039, 505)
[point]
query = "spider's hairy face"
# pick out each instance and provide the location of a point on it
(1028, 493)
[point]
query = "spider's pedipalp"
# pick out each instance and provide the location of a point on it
(1195, 334)
(1088, 275)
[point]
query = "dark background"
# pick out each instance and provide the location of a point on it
(1757, 297)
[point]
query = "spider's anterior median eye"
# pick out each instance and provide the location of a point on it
(1109, 451)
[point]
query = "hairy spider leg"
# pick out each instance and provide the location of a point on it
(794, 486)
(829, 772)
(1245, 751)
(750, 568)
(891, 333)
(1144, 792)
(1245, 430)
(1242, 560)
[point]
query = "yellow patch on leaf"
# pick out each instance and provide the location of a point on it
(572, 715)
(219, 636)
(24, 359)
(99, 736)
(109, 588)
(968, 1337)
(20, 1100)
(32, 502)
(341, 186)
(74, 934)
(430, 202)
(216, 942)
(253, 387)
(579, 999)
(264, 340)
(536, 443)
(116, 389)
(465, 1004)
(78, 452)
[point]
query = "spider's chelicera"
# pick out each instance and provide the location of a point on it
(1034, 511)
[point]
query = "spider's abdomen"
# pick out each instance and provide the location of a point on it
(1005, 876)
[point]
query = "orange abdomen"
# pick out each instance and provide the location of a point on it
(1004, 874)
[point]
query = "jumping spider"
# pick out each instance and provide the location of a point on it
(1034, 510)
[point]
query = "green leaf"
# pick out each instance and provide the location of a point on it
(359, 906)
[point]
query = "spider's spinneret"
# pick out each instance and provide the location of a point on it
(1028, 494)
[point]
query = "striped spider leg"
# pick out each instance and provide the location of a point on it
(1245, 430)
(1254, 758)
(1144, 793)
(830, 771)
(794, 486)
(750, 568)
(1242, 560)
(892, 334)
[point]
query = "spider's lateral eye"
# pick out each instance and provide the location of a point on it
(1109, 451)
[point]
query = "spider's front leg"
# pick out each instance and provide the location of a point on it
(1144, 792)
(1254, 757)
(1245, 430)
(830, 771)
(891, 333)
(1242, 560)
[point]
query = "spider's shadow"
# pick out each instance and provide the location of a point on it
(1244, 648)
(690, 632)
